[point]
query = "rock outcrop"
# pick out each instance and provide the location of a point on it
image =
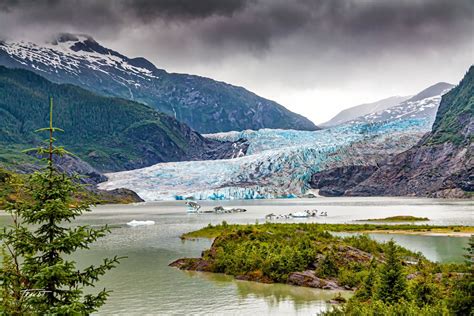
(117, 196)
(335, 182)
(309, 279)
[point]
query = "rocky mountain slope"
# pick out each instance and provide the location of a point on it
(441, 164)
(363, 109)
(205, 105)
(111, 134)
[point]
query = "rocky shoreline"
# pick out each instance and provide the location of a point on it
(306, 278)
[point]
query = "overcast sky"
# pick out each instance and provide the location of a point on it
(315, 57)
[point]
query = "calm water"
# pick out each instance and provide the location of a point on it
(144, 284)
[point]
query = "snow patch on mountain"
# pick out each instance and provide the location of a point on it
(423, 105)
(76, 55)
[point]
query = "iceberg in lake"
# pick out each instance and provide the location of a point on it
(135, 223)
(279, 163)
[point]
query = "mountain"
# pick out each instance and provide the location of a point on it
(204, 104)
(441, 164)
(363, 109)
(422, 105)
(109, 133)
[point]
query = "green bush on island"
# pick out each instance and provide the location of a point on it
(211, 231)
(432, 291)
(387, 279)
(399, 218)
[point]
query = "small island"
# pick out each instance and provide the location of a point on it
(304, 254)
(398, 218)
(381, 276)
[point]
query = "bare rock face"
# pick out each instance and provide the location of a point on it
(335, 182)
(443, 170)
(309, 279)
(351, 254)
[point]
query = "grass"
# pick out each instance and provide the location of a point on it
(399, 218)
(211, 231)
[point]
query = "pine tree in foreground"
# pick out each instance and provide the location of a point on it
(392, 287)
(36, 277)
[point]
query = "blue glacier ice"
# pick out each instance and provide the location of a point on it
(279, 163)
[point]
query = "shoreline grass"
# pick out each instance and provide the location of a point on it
(211, 231)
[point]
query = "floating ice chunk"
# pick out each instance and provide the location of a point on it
(135, 223)
(300, 214)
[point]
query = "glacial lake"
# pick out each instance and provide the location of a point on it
(144, 284)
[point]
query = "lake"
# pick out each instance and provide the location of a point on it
(144, 284)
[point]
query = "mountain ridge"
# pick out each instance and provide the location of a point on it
(423, 104)
(353, 112)
(204, 104)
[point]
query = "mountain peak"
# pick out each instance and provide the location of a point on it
(72, 37)
(431, 91)
(84, 43)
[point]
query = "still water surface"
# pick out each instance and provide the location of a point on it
(144, 284)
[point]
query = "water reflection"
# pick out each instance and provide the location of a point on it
(274, 295)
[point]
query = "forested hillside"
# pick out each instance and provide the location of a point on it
(109, 133)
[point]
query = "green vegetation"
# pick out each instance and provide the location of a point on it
(109, 133)
(11, 185)
(399, 218)
(432, 290)
(454, 114)
(387, 279)
(275, 250)
(36, 278)
(213, 231)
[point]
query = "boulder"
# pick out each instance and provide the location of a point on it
(309, 279)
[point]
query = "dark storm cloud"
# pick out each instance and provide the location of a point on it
(379, 22)
(272, 46)
(265, 18)
(150, 10)
(334, 27)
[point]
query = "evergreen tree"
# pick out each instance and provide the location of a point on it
(392, 286)
(367, 289)
(36, 277)
(328, 265)
(424, 289)
(462, 298)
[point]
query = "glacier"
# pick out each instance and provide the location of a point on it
(278, 164)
